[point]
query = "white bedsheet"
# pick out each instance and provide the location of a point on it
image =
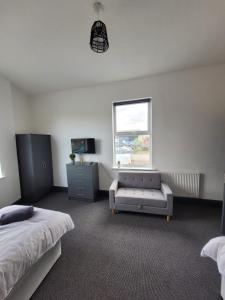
(215, 249)
(23, 243)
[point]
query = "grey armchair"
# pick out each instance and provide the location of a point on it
(141, 192)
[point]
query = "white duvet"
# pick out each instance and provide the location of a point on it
(23, 243)
(215, 249)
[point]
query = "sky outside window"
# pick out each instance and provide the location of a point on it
(132, 117)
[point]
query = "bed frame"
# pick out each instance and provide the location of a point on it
(28, 284)
(222, 286)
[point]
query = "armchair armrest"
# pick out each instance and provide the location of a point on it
(169, 197)
(166, 189)
(112, 191)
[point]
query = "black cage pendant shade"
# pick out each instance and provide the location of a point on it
(99, 39)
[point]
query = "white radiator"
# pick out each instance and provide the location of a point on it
(183, 184)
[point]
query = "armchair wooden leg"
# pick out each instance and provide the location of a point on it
(113, 211)
(167, 218)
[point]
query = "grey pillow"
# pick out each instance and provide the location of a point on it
(19, 214)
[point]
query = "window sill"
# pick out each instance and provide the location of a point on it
(2, 177)
(133, 168)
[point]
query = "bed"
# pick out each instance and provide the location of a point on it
(215, 249)
(28, 250)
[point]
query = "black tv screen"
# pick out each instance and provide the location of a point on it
(81, 146)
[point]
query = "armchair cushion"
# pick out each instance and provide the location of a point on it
(142, 180)
(144, 197)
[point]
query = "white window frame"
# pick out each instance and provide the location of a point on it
(1, 174)
(147, 132)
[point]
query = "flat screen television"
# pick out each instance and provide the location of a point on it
(82, 146)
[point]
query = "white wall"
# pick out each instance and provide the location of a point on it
(188, 123)
(12, 117)
(21, 109)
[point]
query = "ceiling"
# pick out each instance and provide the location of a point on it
(44, 44)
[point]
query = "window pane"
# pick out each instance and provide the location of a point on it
(132, 150)
(132, 117)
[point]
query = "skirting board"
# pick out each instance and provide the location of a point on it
(28, 284)
(176, 199)
(65, 189)
(105, 193)
(60, 189)
(198, 201)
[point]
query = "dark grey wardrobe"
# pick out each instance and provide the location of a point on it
(35, 165)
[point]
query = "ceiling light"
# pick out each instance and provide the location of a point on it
(99, 40)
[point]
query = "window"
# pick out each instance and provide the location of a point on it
(132, 133)
(1, 175)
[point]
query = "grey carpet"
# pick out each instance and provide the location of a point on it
(132, 256)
